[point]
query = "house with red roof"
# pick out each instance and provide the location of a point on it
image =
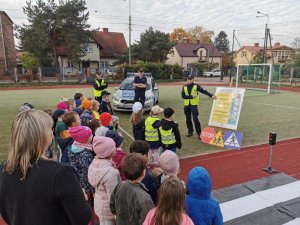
(281, 53)
(185, 53)
(101, 51)
(246, 53)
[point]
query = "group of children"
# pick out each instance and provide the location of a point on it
(122, 187)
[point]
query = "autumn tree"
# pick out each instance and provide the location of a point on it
(179, 35)
(198, 33)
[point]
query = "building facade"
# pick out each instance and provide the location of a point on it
(7, 45)
(184, 54)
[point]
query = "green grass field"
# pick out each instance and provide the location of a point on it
(261, 113)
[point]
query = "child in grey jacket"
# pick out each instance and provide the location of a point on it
(130, 201)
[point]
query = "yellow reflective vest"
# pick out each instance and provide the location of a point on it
(96, 114)
(167, 136)
(97, 93)
(195, 100)
(151, 133)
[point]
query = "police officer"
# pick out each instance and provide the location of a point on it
(99, 85)
(140, 84)
(190, 95)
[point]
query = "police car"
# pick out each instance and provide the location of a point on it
(122, 100)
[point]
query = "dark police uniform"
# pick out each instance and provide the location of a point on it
(140, 92)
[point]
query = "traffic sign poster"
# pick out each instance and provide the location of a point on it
(227, 107)
(207, 134)
(233, 139)
(218, 140)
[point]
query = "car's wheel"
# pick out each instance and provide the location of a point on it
(210, 75)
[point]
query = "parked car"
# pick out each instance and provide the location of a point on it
(213, 73)
(122, 100)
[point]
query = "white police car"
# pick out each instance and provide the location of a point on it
(122, 100)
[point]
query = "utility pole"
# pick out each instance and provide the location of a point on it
(233, 37)
(129, 47)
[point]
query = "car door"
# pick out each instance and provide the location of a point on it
(155, 90)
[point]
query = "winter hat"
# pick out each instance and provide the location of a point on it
(57, 113)
(105, 119)
(103, 146)
(156, 109)
(62, 106)
(169, 162)
(104, 93)
(80, 134)
(28, 104)
(86, 104)
(24, 108)
(78, 110)
(168, 112)
(63, 99)
(116, 136)
(137, 106)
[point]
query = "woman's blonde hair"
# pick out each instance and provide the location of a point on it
(30, 135)
(136, 118)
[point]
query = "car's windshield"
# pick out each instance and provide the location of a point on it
(127, 84)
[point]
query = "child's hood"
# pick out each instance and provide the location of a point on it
(167, 125)
(98, 169)
(199, 183)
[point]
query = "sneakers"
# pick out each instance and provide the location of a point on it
(189, 135)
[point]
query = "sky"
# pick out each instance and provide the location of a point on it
(166, 15)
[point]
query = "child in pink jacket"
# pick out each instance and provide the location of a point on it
(104, 176)
(170, 206)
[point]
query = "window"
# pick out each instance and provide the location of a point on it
(88, 48)
(188, 66)
(104, 64)
(244, 54)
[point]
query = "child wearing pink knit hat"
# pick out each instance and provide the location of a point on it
(104, 176)
(81, 156)
(169, 163)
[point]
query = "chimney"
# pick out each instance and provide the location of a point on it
(277, 44)
(105, 29)
(256, 44)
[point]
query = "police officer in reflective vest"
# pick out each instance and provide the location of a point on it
(169, 132)
(190, 95)
(99, 85)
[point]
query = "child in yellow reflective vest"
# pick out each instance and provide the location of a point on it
(169, 132)
(152, 125)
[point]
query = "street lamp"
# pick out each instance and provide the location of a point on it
(266, 34)
(129, 50)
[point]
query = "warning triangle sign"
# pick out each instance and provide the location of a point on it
(232, 141)
(217, 140)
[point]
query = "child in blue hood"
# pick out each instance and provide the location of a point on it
(200, 206)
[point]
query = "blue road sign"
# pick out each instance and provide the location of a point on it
(233, 139)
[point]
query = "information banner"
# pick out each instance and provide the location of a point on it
(227, 107)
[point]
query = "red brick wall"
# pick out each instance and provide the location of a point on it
(9, 43)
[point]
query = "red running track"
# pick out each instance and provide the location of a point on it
(231, 167)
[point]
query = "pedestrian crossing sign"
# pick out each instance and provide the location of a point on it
(217, 140)
(233, 139)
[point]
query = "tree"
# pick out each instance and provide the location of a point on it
(179, 35)
(52, 26)
(198, 33)
(258, 58)
(222, 42)
(294, 60)
(152, 47)
(29, 60)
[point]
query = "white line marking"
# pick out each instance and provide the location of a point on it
(129, 135)
(259, 200)
(278, 106)
(293, 222)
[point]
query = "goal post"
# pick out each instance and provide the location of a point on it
(259, 76)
